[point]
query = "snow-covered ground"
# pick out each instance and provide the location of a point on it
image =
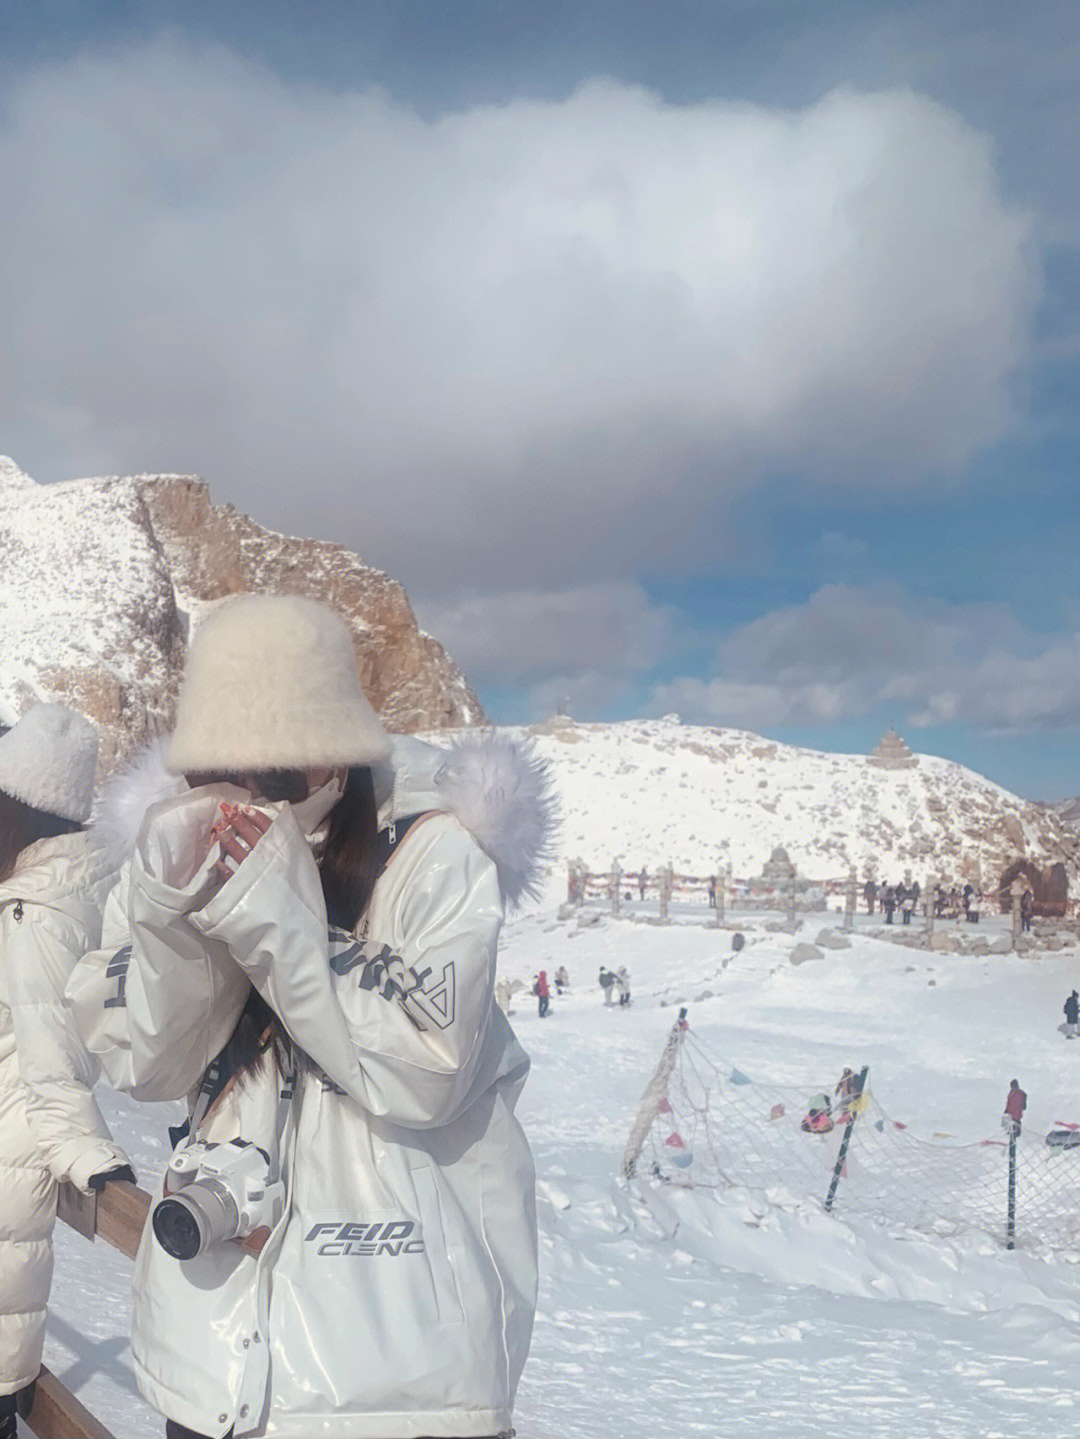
(751, 1311)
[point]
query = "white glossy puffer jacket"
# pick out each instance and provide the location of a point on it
(50, 1127)
(396, 1295)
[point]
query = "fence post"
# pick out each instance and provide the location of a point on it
(851, 890)
(855, 1110)
(1017, 923)
(56, 1412)
(655, 1092)
(1010, 1232)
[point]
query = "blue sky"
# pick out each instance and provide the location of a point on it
(717, 359)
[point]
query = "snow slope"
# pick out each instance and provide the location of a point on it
(687, 1313)
(653, 791)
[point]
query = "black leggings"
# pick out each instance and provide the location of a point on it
(20, 1403)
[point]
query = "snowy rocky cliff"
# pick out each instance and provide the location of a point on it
(1069, 811)
(652, 791)
(101, 581)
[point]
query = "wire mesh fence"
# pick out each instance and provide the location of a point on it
(715, 1127)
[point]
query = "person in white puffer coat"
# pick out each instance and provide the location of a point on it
(319, 980)
(51, 889)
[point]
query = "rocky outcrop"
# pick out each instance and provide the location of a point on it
(102, 581)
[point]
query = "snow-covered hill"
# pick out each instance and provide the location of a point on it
(653, 791)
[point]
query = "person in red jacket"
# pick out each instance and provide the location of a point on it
(543, 993)
(1015, 1104)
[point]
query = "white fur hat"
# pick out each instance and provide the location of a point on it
(271, 683)
(48, 760)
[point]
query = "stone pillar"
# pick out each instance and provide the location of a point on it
(851, 893)
(791, 895)
(666, 876)
(1016, 890)
(616, 886)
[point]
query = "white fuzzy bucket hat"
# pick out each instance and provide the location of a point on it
(48, 760)
(271, 683)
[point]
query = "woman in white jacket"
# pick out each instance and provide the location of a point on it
(51, 889)
(317, 976)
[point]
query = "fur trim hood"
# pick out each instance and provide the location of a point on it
(497, 787)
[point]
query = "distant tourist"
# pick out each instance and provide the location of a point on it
(888, 902)
(607, 984)
(845, 1088)
(642, 881)
(562, 979)
(543, 993)
(622, 981)
(870, 895)
(818, 1117)
(1027, 909)
(974, 905)
(1015, 1104)
(1072, 1014)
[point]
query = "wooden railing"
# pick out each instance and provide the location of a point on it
(118, 1216)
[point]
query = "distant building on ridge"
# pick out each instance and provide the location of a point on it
(891, 752)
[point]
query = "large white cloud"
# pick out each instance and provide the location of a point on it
(847, 651)
(543, 342)
(530, 637)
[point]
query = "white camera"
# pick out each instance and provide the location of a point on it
(219, 1192)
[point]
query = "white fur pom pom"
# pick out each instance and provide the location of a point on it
(125, 799)
(500, 789)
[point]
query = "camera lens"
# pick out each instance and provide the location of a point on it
(176, 1229)
(201, 1214)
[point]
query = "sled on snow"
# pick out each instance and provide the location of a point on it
(1063, 1139)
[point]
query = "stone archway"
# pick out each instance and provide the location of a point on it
(1050, 889)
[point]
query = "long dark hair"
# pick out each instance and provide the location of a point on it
(22, 825)
(348, 869)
